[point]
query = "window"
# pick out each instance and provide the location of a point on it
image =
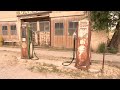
(44, 26)
(59, 28)
(33, 26)
(13, 27)
(4, 30)
(72, 28)
(41, 26)
(23, 32)
(13, 30)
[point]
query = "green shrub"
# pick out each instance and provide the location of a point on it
(101, 48)
(112, 50)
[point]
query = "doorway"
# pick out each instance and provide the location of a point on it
(44, 35)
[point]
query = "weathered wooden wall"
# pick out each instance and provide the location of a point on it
(64, 40)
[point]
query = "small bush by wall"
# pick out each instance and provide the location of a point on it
(101, 48)
(112, 50)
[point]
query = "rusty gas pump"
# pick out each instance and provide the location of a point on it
(27, 44)
(83, 45)
(24, 41)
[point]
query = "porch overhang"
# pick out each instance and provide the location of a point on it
(40, 14)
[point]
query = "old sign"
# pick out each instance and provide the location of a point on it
(83, 45)
(29, 12)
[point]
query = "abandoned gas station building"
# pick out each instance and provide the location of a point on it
(52, 28)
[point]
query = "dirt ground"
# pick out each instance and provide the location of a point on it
(13, 67)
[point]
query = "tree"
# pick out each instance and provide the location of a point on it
(105, 20)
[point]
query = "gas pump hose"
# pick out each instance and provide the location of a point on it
(33, 51)
(34, 54)
(70, 62)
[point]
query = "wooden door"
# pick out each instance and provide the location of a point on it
(71, 28)
(59, 35)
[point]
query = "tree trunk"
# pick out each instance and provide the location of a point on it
(115, 41)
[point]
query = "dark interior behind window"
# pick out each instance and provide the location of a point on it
(72, 27)
(59, 28)
(4, 30)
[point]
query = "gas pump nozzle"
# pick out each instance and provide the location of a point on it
(34, 56)
(74, 35)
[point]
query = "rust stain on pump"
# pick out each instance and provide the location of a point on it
(83, 45)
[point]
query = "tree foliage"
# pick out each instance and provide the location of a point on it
(100, 19)
(105, 20)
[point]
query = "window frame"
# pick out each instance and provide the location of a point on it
(32, 25)
(13, 30)
(73, 27)
(3, 30)
(59, 29)
(44, 26)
